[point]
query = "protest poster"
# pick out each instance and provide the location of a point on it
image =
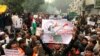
(57, 31)
(91, 23)
(10, 52)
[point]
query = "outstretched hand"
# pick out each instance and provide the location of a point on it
(40, 34)
(74, 33)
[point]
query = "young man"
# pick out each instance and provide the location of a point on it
(88, 52)
(57, 47)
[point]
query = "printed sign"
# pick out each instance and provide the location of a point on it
(10, 52)
(57, 31)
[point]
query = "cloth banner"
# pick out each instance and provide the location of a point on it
(57, 31)
(10, 52)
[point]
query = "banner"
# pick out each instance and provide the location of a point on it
(10, 52)
(57, 31)
(91, 23)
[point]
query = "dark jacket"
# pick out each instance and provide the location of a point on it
(8, 20)
(2, 21)
(81, 47)
(1, 51)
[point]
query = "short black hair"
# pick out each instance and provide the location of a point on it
(10, 43)
(89, 49)
(94, 42)
(85, 39)
(21, 41)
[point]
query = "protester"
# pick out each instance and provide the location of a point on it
(27, 38)
(19, 36)
(8, 22)
(26, 49)
(85, 41)
(88, 52)
(17, 22)
(82, 44)
(57, 48)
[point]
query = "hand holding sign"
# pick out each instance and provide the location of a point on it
(57, 31)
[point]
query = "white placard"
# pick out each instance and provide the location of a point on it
(10, 52)
(57, 31)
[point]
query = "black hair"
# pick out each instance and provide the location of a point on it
(21, 41)
(85, 39)
(94, 33)
(10, 43)
(89, 49)
(93, 41)
(14, 13)
(75, 46)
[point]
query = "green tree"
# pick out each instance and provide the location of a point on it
(32, 5)
(15, 5)
(0, 1)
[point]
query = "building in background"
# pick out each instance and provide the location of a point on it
(76, 6)
(89, 6)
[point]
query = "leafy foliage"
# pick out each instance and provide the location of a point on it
(1, 1)
(32, 5)
(15, 5)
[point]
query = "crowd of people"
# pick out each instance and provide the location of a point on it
(16, 33)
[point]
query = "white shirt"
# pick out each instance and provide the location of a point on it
(28, 40)
(17, 22)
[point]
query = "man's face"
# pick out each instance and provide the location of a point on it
(27, 36)
(88, 53)
(14, 46)
(90, 44)
(23, 44)
(57, 46)
(84, 41)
